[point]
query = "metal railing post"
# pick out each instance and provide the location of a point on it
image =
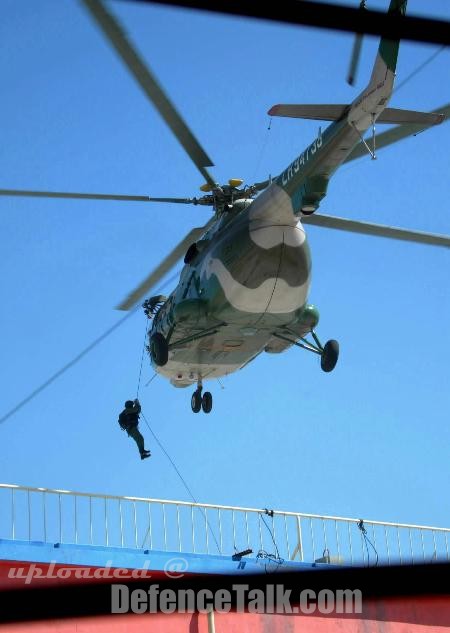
(90, 519)
(45, 516)
(75, 518)
(165, 527)
(299, 547)
(29, 515)
(106, 524)
(178, 528)
(135, 525)
(121, 522)
(13, 515)
(60, 518)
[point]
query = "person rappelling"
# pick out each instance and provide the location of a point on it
(129, 421)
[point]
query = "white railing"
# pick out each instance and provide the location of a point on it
(63, 516)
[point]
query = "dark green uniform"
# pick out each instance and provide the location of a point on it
(129, 420)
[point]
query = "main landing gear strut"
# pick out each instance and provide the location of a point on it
(198, 401)
(329, 353)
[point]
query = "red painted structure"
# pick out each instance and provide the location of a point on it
(394, 615)
(406, 599)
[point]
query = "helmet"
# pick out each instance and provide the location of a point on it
(129, 404)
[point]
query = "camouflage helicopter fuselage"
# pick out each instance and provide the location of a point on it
(250, 277)
(245, 288)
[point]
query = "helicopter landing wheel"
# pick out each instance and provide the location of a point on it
(330, 355)
(196, 401)
(159, 350)
(207, 402)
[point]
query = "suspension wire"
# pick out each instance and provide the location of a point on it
(419, 68)
(68, 365)
(270, 513)
(262, 150)
(183, 481)
(366, 539)
(78, 357)
(262, 554)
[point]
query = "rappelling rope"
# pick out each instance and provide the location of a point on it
(150, 428)
(146, 421)
(183, 481)
(142, 358)
(170, 459)
(158, 441)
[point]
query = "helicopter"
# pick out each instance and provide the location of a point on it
(244, 287)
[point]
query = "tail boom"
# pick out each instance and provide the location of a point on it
(306, 178)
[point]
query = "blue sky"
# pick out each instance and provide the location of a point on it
(370, 439)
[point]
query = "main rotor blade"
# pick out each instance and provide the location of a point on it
(177, 200)
(76, 196)
(22, 193)
(168, 262)
(151, 87)
(378, 230)
(325, 15)
(397, 133)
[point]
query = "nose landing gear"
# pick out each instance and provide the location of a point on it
(198, 401)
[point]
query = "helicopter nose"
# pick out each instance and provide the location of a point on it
(271, 274)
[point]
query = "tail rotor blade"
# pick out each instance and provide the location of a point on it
(356, 52)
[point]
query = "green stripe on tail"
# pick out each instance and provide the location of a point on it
(389, 48)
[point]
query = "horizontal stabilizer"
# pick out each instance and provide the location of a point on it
(318, 111)
(334, 112)
(395, 115)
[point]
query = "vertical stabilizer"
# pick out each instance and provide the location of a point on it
(388, 49)
(368, 106)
